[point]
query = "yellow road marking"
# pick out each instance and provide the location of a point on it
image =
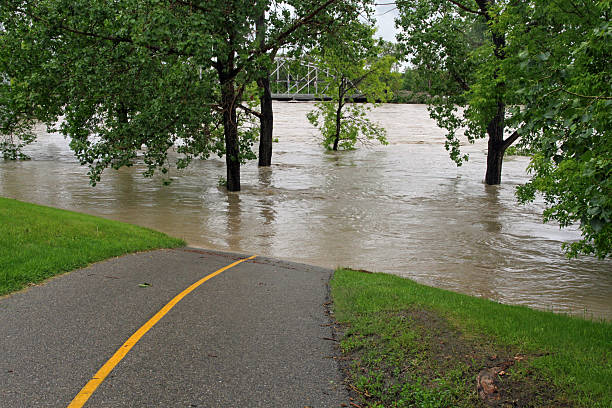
(89, 388)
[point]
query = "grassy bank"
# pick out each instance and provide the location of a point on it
(38, 242)
(409, 345)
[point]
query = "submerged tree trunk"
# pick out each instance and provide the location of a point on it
(497, 145)
(495, 128)
(495, 159)
(339, 115)
(266, 120)
(230, 130)
(496, 148)
(266, 123)
(338, 124)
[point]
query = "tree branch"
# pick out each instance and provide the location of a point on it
(586, 96)
(465, 8)
(278, 41)
(167, 50)
(250, 111)
(464, 85)
(192, 6)
(511, 139)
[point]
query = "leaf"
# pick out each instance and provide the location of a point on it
(544, 56)
(597, 224)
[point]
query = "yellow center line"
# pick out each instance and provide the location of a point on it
(89, 388)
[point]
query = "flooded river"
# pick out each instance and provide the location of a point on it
(404, 209)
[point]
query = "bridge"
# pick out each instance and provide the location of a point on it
(298, 80)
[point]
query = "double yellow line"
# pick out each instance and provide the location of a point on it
(89, 388)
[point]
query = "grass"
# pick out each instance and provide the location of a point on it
(409, 345)
(39, 242)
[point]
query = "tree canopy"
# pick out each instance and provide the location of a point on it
(535, 70)
(560, 54)
(129, 76)
(129, 80)
(461, 48)
(358, 66)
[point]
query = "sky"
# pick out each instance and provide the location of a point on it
(385, 15)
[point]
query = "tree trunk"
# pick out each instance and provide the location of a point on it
(496, 148)
(230, 132)
(266, 122)
(338, 124)
(495, 128)
(122, 114)
(339, 115)
(495, 158)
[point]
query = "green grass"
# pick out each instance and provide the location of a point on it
(38, 242)
(411, 345)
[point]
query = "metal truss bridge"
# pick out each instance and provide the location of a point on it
(298, 80)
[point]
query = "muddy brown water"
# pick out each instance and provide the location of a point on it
(405, 209)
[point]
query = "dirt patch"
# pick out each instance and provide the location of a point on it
(425, 361)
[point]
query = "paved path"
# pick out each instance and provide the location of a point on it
(252, 336)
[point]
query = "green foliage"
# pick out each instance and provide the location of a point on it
(403, 96)
(542, 69)
(131, 80)
(355, 126)
(15, 128)
(418, 336)
(561, 57)
(415, 80)
(39, 242)
(456, 62)
(393, 81)
(118, 99)
(518, 151)
(358, 66)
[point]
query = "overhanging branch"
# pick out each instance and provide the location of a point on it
(511, 139)
(466, 8)
(586, 96)
(297, 24)
(192, 6)
(250, 111)
(114, 39)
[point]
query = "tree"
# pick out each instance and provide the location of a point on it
(560, 54)
(357, 67)
(545, 65)
(415, 80)
(129, 76)
(15, 129)
(463, 48)
(332, 20)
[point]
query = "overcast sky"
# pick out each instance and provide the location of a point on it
(384, 17)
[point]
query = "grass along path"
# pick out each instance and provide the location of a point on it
(38, 242)
(410, 345)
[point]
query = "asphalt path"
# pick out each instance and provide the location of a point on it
(255, 335)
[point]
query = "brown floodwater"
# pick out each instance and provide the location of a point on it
(405, 209)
